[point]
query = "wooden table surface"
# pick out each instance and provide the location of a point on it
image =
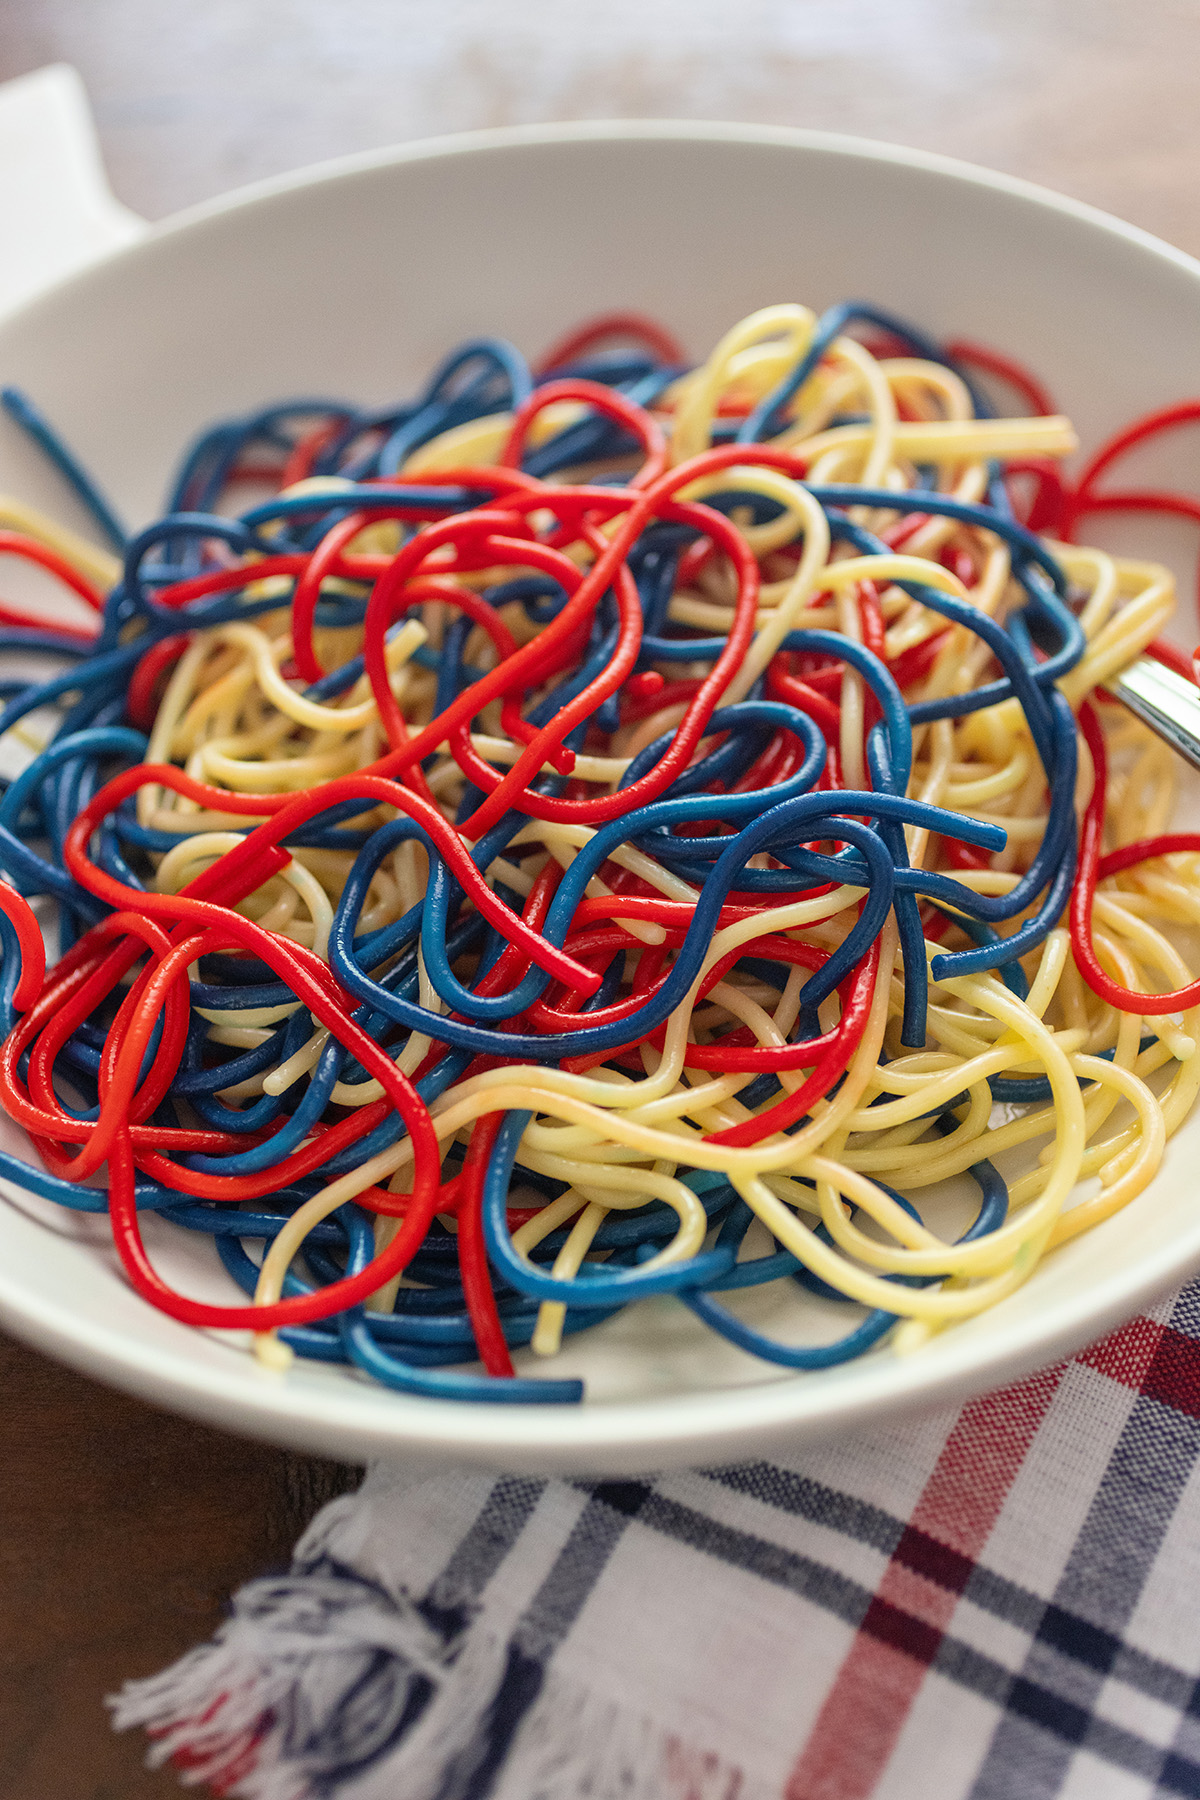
(124, 1528)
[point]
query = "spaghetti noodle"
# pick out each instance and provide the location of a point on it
(598, 833)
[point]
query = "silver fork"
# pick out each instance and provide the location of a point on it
(1165, 701)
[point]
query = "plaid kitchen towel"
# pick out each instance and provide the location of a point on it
(997, 1603)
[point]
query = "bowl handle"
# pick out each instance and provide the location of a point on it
(56, 210)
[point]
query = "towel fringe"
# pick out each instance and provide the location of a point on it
(577, 1745)
(322, 1683)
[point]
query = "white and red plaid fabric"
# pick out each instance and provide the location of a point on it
(997, 1603)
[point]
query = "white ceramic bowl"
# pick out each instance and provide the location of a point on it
(354, 279)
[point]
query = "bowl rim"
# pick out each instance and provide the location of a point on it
(654, 1431)
(451, 145)
(358, 1421)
